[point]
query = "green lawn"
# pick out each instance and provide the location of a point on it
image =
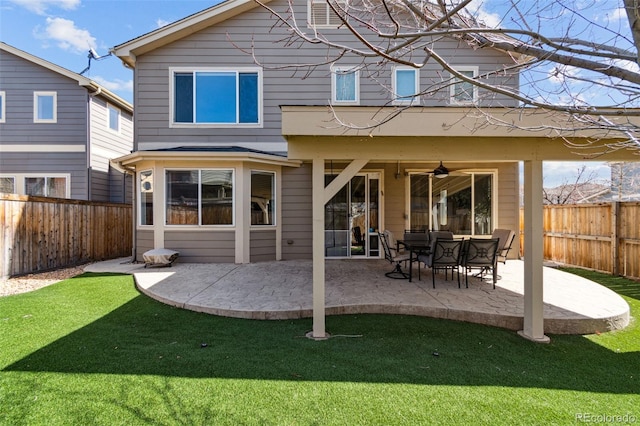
(92, 350)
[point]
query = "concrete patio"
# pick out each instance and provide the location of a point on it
(283, 290)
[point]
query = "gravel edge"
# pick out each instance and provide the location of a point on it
(35, 281)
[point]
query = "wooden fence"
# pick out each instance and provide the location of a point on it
(603, 237)
(40, 233)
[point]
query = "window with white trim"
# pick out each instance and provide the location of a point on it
(3, 98)
(45, 107)
(217, 97)
(146, 197)
(345, 85)
(113, 118)
(199, 197)
(263, 197)
(320, 14)
(463, 92)
(46, 186)
(406, 86)
(8, 184)
(464, 203)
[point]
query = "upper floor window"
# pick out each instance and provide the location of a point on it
(406, 86)
(114, 118)
(199, 197)
(2, 107)
(217, 97)
(45, 107)
(320, 14)
(345, 85)
(463, 92)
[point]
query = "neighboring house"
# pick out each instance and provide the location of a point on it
(59, 131)
(239, 159)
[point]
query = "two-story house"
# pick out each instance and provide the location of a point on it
(240, 156)
(59, 130)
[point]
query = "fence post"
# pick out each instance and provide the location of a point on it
(615, 240)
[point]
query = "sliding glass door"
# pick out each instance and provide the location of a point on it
(462, 202)
(352, 218)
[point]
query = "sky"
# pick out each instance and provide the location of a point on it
(63, 31)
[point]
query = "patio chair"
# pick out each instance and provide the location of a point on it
(505, 237)
(433, 236)
(444, 255)
(391, 254)
(480, 254)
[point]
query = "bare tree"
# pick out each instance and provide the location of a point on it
(582, 187)
(563, 56)
(625, 181)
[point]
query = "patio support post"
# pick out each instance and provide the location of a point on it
(317, 191)
(533, 254)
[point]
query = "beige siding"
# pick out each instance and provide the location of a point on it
(106, 182)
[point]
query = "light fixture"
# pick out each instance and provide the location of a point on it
(441, 171)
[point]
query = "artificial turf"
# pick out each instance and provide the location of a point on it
(92, 350)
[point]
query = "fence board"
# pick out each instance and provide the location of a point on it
(40, 233)
(603, 237)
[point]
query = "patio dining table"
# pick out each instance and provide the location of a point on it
(416, 247)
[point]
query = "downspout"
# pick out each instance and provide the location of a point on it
(134, 211)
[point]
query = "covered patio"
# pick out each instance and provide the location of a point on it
(364, 135)
(284, 290)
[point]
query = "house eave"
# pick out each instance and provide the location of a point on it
(449, 133)
(130, 161)
(93, 87)
(128, 51)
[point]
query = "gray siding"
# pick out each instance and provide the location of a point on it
(19, 79)
(296, 213)
(45, 163)
(80, 117)
(107, 183)
(211, 47)
(263, 245)
(202, 246)
(144, 242)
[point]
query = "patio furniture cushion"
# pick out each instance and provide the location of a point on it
(160, 256)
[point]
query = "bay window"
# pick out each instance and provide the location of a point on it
(146, 197)
(199, 197)
(262, 198)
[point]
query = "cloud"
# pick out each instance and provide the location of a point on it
(161, 22)
(116, 85)
(561, 73)
(40, 6)
(477, 9)
(67, 36)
